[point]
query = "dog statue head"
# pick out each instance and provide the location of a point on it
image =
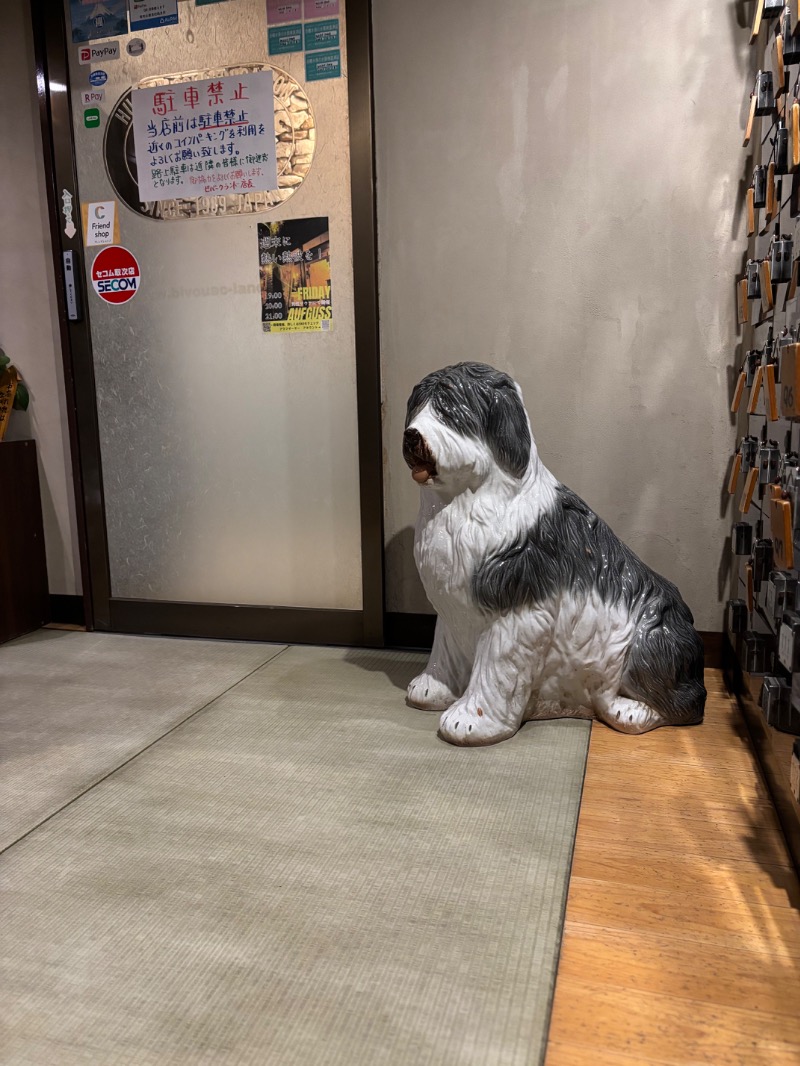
(463, 423)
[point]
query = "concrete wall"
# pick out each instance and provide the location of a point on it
(29, 331)
(555, 196)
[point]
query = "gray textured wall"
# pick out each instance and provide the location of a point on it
(557, 194)
(29, 330)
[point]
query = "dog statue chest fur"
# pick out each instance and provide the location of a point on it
(542, 611)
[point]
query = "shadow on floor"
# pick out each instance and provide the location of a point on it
(399, 667)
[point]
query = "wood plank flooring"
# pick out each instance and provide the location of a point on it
(682, 936)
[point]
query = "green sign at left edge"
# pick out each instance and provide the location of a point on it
(91, 118)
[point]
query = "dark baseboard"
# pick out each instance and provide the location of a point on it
(67, 610)
(414, 632)
(227, 621)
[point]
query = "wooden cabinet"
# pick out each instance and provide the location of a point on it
(24, 600)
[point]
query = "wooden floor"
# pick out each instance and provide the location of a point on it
(682, 938)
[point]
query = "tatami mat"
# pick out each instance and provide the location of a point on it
(301, 874)
(73, 706)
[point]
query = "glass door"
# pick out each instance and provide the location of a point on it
(224, 366)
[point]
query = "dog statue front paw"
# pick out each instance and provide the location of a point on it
(429, 694)
(468, 726)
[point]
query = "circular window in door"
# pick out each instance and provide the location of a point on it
(295, 138)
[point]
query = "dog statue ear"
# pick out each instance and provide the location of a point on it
(507, 432)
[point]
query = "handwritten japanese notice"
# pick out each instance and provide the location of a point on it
(295, 269)
(205, 138)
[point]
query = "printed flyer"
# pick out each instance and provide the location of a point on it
(295, 270)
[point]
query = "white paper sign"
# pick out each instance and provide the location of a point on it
(92, 96)
(100, 223)
(205, 138)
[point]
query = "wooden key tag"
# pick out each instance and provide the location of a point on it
(749, 489)
(736, 470)
(767, 299)
(751, 212)
(780, 69)
(742, 301)
(748, 576)
(751, 116)
(757, 17)
(754, 392)
(780, 516)
(794, 133)
(738, 392)
(770, 392)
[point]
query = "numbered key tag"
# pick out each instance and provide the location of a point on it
(773, 9)
(780, 514)
(749, 489)
(751, 213)
(756, 391)
(749, 585)
(780, 68)
(753, 279)
(738, 392)
(770, 392)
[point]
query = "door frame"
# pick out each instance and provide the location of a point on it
(230, 621)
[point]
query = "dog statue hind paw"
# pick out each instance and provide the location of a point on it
(539, 604)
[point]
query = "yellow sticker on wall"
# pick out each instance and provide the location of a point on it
(100, 223)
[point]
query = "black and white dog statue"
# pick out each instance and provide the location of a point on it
(542, 611)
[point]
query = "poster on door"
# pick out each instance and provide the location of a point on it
(210, 137)
(295, 272)
(94, 19)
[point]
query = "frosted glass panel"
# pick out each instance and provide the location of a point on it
(230, 457)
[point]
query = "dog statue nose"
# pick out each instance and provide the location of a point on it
(411, 438)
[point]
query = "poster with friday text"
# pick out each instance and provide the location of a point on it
(295, 271)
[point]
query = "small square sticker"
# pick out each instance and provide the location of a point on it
(284, 39)
(322, 65)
